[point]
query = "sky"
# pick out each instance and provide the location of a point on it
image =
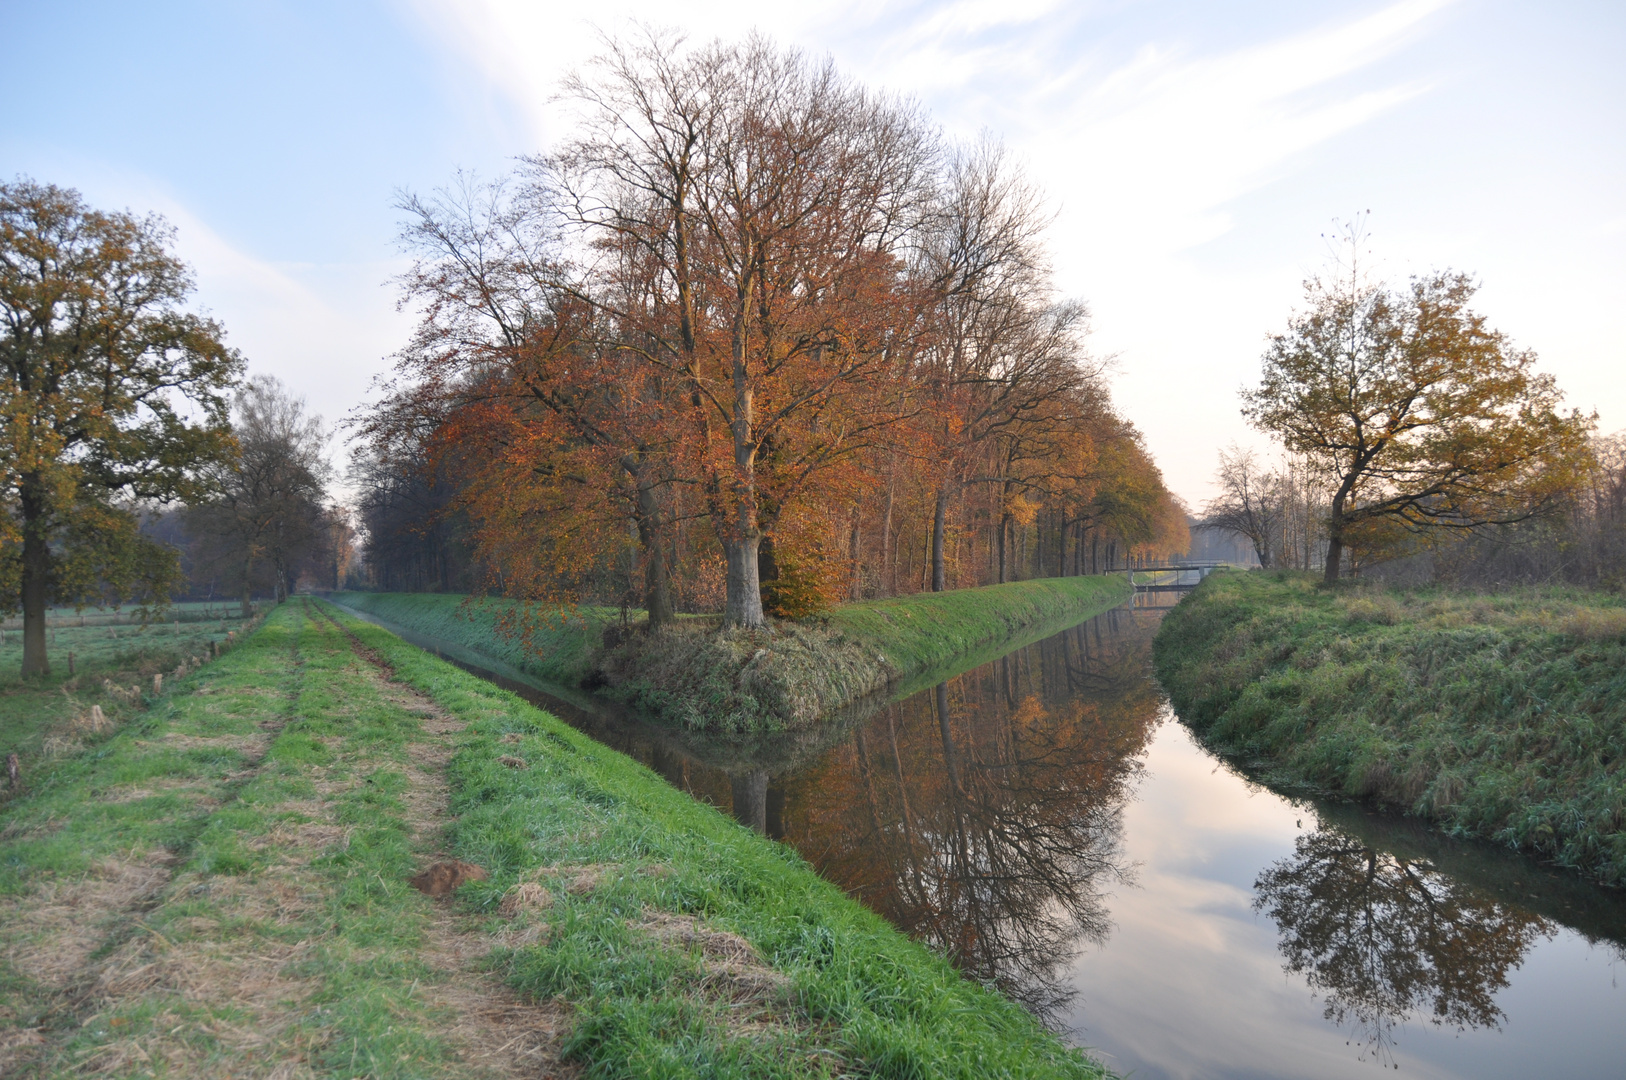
(1195, 155)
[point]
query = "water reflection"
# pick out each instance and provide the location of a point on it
(1383, 938)
(984, 816)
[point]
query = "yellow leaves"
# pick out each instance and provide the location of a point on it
(1022, 509)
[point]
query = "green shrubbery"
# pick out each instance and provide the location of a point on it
(1497, 715)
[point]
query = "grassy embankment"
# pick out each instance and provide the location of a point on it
(1500, 716)
(785, 679)
(219, 887)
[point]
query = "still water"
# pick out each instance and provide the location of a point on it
(1045, 820)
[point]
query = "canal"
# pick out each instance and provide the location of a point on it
(1047, 822)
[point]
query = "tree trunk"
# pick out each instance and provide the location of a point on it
(1004, 528)
(889, 559)
(248, 588)
(652, 542)
(35, 583)
(767, 560)
(743, 604)
(854, 541)
(1335, 556)
(1335, 533)
(939, 514)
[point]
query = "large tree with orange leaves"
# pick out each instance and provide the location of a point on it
(764, 316)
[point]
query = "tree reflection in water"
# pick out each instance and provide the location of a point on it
(983, 816)
(1384, 938)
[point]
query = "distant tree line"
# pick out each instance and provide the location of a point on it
(752, 338)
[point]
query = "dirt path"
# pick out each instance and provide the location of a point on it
(496, 1028)
(224, 893)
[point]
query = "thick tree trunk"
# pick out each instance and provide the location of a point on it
(657, 574)
(1335, 556)
(35, 584)
(939, 517)
(742, 606)
(1335, 533)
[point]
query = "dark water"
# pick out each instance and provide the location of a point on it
(1046, 821)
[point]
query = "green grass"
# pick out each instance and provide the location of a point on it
(218, 888)
(862, 998)
(1496, 715)
(235, 860)
(44, 719)
(557, 649)
(930, 636)
(790, 677)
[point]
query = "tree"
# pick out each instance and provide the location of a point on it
(112, 394)
(1249, 503)
(266, 504)
(1424, 417)
(767, 197)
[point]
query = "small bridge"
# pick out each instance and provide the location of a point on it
(1183, 576)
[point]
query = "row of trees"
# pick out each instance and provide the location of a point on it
(117, 401)
(1408, 424)
(752, 333)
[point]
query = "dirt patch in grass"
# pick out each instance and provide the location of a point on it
(52, 932)
(733, 969)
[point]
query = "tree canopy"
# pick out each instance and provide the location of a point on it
(741, 331)
(113, 395)
(1420, 415)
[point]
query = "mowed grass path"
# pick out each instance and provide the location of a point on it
(220, 888)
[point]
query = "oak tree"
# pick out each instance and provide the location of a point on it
(1423, 416)
(112, 393)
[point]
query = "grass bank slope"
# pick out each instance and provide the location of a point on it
(1501, 716)
(559, 651)
(219, 887)
(787, 678)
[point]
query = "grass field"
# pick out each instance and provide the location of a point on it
(42, 719)
(788, 678)
(219, 887)
(1500, 716)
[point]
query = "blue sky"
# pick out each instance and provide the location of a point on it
(1194, 154)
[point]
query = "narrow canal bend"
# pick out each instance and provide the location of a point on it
(1047, 822)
